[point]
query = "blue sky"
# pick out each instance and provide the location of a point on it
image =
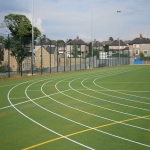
(65, 19)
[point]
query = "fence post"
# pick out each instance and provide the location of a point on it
(21, 56)
(57, 55)
(75, 58)
(8, 57)
(41, 55)
(64, 57)
(50, 57)
(70, 57)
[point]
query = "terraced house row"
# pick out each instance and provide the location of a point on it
(49, 53)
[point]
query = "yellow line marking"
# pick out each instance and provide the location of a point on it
(79, 132)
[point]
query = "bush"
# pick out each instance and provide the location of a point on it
(1, 69)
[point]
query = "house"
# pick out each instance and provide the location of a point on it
(45, 57)
(117, 45)
(11, 61)
(82, 47)
(1, 54)
(97, 45)
(139, 45)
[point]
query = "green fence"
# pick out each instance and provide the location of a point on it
(53, 56)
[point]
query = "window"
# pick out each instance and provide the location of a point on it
(145, 52)
(136, 52)
(143, 45)
(13, 66)
(137, 45)
(114, 47)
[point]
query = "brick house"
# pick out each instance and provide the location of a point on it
(139, 45)
(45, 57)
(26, 64)
(83, 48)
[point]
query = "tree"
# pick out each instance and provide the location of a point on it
(111, 39)
(106, 48)
(74, 50)
(141, 55)
(21, 36)
(96, 53)
(1, 39)
(69, 40)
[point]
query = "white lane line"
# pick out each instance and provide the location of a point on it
(118, 91)
(32, 99)
(112, 95)
(58, 116)
(100, 106)
(41, 124)
(88, 112)
(18, 97)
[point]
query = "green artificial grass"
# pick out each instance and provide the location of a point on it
(105, 108)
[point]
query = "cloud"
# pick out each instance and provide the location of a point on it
(64, 19)
(38, 24)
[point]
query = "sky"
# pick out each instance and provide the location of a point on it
(88, 19)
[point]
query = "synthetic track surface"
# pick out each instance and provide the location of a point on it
(81, 111)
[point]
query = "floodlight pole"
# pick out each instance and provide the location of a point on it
(92, 35)
(119, 37)
(32, 59)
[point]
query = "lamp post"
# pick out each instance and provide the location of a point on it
(118, 11)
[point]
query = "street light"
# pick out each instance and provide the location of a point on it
(118, 11)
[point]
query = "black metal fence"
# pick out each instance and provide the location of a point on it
(53, 56)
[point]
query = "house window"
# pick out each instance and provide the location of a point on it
(136, 52)
(79, 46)
(145, 52)
(22, 65)
(13, 66)
(137, 45)
(114, 47)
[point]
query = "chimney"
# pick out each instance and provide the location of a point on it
(141, 36)
(77, 38)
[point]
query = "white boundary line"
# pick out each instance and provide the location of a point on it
(118, 91)
(40, 124)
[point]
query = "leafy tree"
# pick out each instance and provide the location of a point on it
(141, 55)
(74, 50)
(106, 48)
(111, 39)
(96, 53)
(69, 40)
(1, 39)
(21, 36)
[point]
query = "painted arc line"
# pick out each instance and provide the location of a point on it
(90, 113)
(115, 135)
(104, 99)
(117, 91)
(41, 124)
(32, 99)
(79, 132)
(12, 105)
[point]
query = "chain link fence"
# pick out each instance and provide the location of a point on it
(53, 56)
